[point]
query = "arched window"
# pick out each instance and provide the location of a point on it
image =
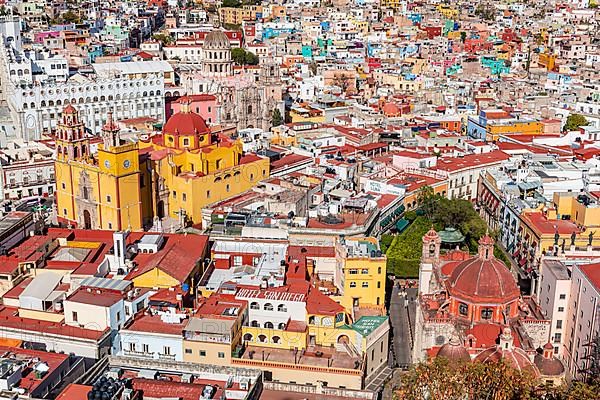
(254, 306)
(268, 325)
(275, 339)
(282, 308)
(32, 105)
(43, 103)
(58, 102)
(250, 109)
(254, 324)
(487, 313)
(268, 307)
(281, 326)
(248, 337)
(311, 320)
(262, 338)
(463, 309)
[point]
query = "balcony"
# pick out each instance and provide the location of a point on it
(169, 357)
(138, 354)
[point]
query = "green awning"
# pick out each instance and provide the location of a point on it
(451, 235)
(401, 224)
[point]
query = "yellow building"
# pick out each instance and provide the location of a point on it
(129, 186)
(363, 275)
(394, 4)
(98, 191)
(194, 167)
(580, 209)
(447, 11)
(512, 127)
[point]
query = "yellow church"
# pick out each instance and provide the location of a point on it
(133, 185)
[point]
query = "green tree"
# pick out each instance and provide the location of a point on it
(277, 117)
(163, 38)
(238, 55)
(574, 121)
(243, 57)
(71, 18)
(251, 58)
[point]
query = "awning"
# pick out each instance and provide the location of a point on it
(523, 261)
(401, 224)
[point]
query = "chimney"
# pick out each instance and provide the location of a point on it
(120, 247)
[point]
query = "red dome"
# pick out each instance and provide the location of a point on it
(185, 123)
(391, 110)
(483, 278)
(454, 351)
(514, 357)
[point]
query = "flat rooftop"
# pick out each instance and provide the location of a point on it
(328, 357)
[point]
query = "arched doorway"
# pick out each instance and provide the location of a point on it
(87, 220)
(343, 339)
(160, 212)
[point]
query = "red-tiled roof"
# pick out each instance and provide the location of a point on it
(9, 319)
(544, 226)
(154, 324)
(471, 161)
(319, 304)
(177, 258)
(74, 392)
(592, 271)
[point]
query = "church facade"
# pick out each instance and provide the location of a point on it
(469, 308)
(246, 97)
(173, 174)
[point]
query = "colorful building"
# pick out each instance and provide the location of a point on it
(107, 190)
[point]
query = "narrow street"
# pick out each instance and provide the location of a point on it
(402, 313)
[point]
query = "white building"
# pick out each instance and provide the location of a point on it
(26, 169)
(554, 292)
(38, 108)
(582, 317)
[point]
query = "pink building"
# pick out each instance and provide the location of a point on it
(203, 104)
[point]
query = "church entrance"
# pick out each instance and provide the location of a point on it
(160, 212)
(87, 220)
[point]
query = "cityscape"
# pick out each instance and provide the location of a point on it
(299, 200)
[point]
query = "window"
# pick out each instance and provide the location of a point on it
(378, 285)
(365, 284)
(108, 198)
(559, 324)
(166, 350)
(352, 284)
(221, 354)
(118, 315)
(353, 272)
(227, 188)
(174, 194)
(237, 261)
(262, 338)
(202, 353)
(268, 307)
(188, 351)
(364, 271)
(378, 270)
(268, 325)
(186, 142)
(254, 306)
(463, 309)
(183, 197)
(562, 296)
(145, 348)
(63, 186)
(75, 316)
(275, 339)
(131, 346)
(208, 194)
(557, 337)
(281, 308)
(486, 313)
(561, 309)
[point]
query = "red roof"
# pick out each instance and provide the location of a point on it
(592, 271)
(96, 297)
(74, 392)
(154, 324)
(177, 258)
(483, 279)
(471, 161)
(186, 123)
(318, 303)
(9, 319)
(545, 226)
